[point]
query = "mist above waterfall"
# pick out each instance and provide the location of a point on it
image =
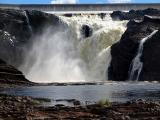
(66, 56)
(53, 58)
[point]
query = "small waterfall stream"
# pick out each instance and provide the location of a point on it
(137, 64)
(28, 22)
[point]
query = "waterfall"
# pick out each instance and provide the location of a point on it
(68, 56)
(28, 22)
(53, 59)
(137, 64)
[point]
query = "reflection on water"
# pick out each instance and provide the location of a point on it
(115, 92)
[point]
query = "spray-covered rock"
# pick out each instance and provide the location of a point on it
(86, 31)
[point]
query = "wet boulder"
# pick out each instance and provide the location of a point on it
(86, 31)
(102, 15)
(68, 15)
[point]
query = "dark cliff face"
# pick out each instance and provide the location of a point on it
(39, 20)
(126, 49)
(17, 27)
(151, 59)
(134, 14)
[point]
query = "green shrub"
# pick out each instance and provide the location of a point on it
(104, 103)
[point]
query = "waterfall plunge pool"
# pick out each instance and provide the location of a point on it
(90, 94)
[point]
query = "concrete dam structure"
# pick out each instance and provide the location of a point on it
(71, 8)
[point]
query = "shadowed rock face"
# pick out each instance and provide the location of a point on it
(134, 14)
(151, 59)
(10, 75)
(17, 27)
(125, 50)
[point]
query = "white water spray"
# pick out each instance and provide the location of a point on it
(53, 58)
(137, 64)
(65, 56)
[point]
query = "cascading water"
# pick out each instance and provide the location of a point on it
(95, 50)
(137, 64)
(66, 56)
(28, 22)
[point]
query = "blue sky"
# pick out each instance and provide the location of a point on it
(76, 1)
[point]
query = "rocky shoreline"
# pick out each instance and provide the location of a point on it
(27, 108)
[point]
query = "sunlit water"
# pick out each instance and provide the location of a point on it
(113, 91)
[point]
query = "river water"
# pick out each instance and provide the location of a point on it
(89, 94)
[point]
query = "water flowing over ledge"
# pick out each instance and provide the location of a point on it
(71, 55)
(137, 65)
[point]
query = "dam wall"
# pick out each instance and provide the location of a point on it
(80, 7)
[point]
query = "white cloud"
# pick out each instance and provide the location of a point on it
(119, 1)
(64, 1)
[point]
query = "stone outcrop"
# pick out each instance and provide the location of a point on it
(86, 31)
(125, 50)
(134, 14)
(11, 76)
